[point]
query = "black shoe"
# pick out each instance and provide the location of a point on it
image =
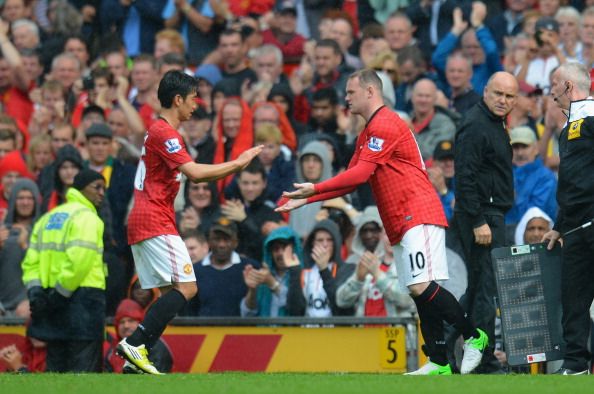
(567, 371)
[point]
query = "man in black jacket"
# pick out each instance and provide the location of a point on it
(570, 89)
(484, 193)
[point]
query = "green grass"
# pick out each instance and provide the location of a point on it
(289, 383)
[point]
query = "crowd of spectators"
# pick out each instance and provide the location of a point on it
(78, 89)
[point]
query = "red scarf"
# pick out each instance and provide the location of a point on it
(243, 141)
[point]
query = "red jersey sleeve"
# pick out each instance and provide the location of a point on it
(169, 145)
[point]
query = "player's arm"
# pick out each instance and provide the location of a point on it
(344, 182)
(287, 204)
(197, 172)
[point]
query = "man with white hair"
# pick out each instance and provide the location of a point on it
(66, 69)
(267, 62)
(25, 34)
(570, 89)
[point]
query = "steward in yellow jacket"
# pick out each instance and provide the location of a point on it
(65, 278)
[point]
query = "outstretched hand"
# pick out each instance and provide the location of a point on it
(247, 156)
(304, 190)
(292, 204)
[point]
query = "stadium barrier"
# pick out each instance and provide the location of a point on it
(291, 344)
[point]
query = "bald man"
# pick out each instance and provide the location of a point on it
(484, 193)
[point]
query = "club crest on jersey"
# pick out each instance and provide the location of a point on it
(375, 144)
(173, 145)
(575, 129)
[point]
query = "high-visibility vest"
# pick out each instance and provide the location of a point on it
(66, 248)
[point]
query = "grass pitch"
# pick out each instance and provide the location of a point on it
(290, 383)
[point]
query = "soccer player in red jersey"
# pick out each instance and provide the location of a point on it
(387, 156)
(161, 258)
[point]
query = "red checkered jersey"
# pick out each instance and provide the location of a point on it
(404, 195)
(156, 183)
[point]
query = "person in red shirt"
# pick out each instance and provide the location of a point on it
(161, 258)
(387, 156)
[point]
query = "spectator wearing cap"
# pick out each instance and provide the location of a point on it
(441, 175)
(458, 74)
(119, 183)
(283, 34)
(526, 109)
(534, 184)
(208, 75)
(64, 274)
(476, 43)
(537, 72)
(219, 275)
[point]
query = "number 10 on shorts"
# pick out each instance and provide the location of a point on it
(392, 351)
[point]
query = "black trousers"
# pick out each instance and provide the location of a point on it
(577, 293)
(74, 356)
(479, 299)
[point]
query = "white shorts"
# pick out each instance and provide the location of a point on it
(161, 261)
(421, 255)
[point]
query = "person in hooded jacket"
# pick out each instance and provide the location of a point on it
(23, 211)
(268, 286)
(128, 316)
(313, 165)
(12, 167)
(312, 290)
(68, 163)
(373, 288)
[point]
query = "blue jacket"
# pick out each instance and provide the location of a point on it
(535, 186)
(480, 72)
(264, 294)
